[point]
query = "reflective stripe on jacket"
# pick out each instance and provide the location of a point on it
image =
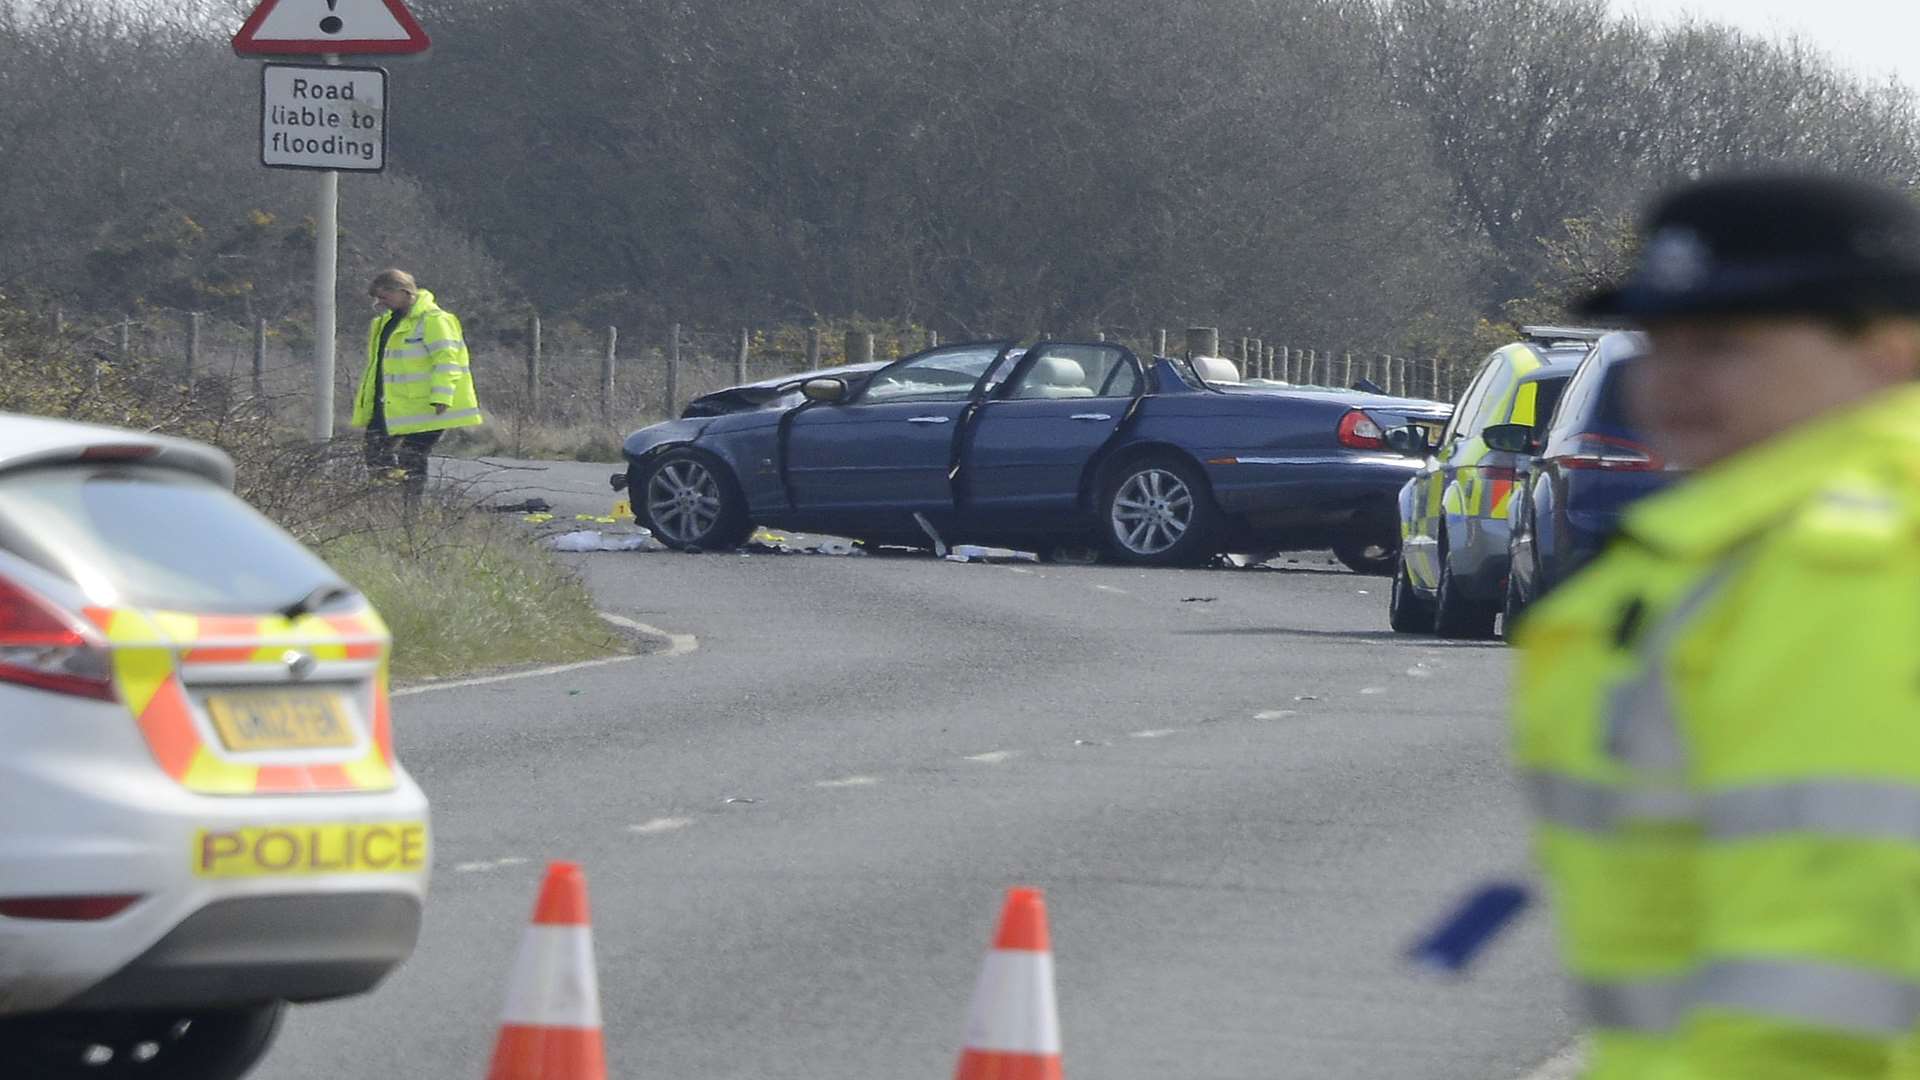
(426, 365)
(1719, 726)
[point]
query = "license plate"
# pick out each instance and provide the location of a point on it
(292, 720)
(383, 847)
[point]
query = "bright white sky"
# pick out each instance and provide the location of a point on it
(1875, 37)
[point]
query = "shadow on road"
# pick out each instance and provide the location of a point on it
(1381, 637)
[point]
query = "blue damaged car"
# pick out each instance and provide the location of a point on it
(1041, 447)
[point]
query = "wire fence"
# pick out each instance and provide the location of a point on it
(566, 375)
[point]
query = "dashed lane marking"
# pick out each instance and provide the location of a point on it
(1373, 689)
(1111, 589)
(484, 865)
(660, 825)
(991, 757)
(1276, 714)
(851, 781)
(1154, 733)
(677, 645)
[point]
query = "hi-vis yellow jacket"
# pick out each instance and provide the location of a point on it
(426, 365)
(1719, 725)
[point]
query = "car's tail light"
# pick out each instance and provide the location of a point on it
(43, 647)
(1358, 431)
(1591, 451)
(67, 908)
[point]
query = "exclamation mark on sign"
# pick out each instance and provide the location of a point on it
(331, 24)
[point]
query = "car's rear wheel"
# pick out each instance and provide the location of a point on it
(1407, 611)
(1157, 512)
(211, 1044)
(690, 503)
(1457, 616)
(1377, 558)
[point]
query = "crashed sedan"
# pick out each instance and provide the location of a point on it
(1043, 448)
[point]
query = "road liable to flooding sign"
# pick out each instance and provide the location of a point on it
(323, 117)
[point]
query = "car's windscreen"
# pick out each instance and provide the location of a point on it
(947, 375)
(156, 538)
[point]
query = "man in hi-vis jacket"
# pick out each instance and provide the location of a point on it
(417, 381)
(1719, 720)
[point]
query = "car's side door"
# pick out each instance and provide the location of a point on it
(889, 451)
(1430, 486)
(1028, 446)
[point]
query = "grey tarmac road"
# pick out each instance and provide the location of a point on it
(1241, 793)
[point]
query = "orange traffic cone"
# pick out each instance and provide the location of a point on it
(550, 1029)
(1013, 1026)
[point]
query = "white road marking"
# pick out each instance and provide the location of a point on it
(1276, 714)
(488, 864)
(1373, 689)
(1018, 570)
(1111, 589)
(677, 645)
(1420, 671)
(660, 825)
(851, 781)
(991, 757)
(1154, 733)
(1565, 1065)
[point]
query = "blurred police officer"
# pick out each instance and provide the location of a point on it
(1719, 721)
(417, 382)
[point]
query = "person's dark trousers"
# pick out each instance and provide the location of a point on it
(407, 452)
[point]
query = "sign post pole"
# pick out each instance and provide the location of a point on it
(326, 266)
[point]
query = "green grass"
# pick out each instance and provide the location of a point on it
(467, 593)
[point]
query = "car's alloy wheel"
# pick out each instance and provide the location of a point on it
(689, 504)
(215, 1044)
(1159, 513)
(1407, 611)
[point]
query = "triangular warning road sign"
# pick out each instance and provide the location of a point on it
(281, 27)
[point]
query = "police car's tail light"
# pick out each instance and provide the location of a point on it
(42, 647)
(67, 908)
(1357, 430)
(1591, 451)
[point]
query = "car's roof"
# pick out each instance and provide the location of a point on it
(38, 440)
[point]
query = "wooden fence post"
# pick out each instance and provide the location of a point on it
(740, 355)
(126, 341)
(1160, 342)
(673, 373)
(533, 367)
(57, 322)
(1203, 341)
(259, 358)
(193, 346)
(1347, 379)
(813, 348)
(1256, 352)
(933, 339)
(606, 374)
(859, 347)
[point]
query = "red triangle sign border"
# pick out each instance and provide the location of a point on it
(246, 44)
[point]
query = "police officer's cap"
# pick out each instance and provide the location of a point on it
(1773, 245)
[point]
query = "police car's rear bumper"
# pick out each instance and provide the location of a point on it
(262, 948)
(89, 815)
(1477, 550)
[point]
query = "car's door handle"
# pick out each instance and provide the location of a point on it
(929, 419)
(1093, 416)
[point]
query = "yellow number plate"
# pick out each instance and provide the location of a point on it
(387, 847)
(302, 720)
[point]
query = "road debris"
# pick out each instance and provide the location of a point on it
(595, 540)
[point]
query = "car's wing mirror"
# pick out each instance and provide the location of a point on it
(1509, 438)
(830, 391)
(1409, 441)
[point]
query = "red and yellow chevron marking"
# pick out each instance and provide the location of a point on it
(1502, 496)
(144, 671)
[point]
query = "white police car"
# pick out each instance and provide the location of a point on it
(201, 815)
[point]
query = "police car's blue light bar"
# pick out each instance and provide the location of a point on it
(1562, 333)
